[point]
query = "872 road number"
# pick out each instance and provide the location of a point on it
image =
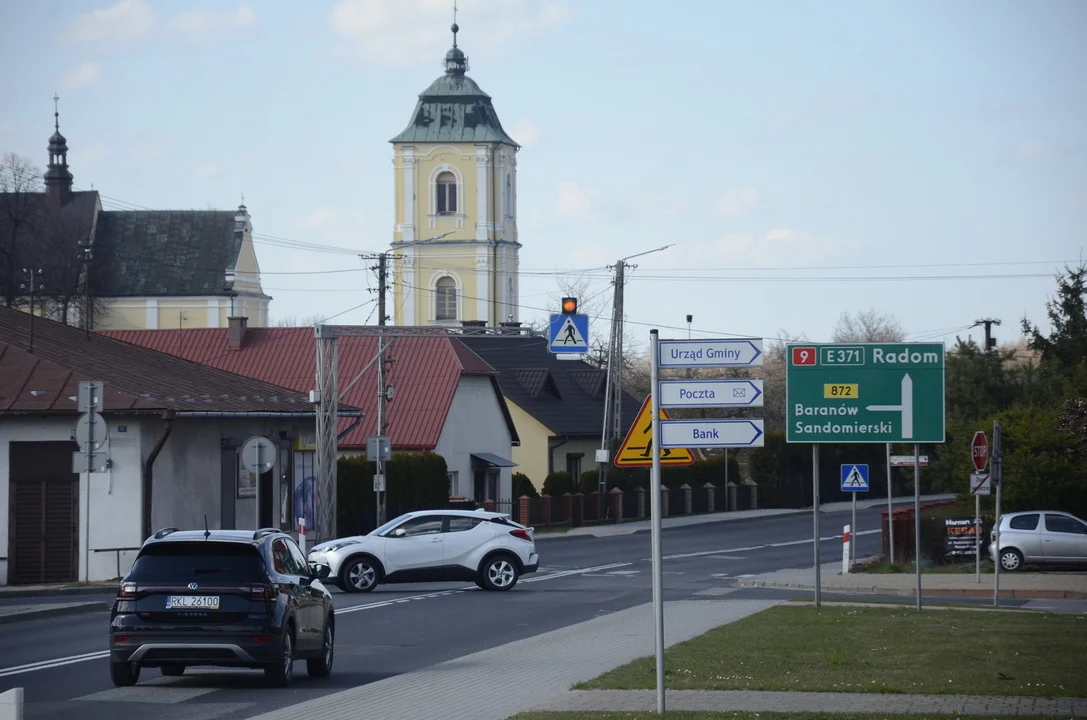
(840, 391)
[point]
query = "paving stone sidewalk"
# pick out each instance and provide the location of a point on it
(845, 703)
(502, 681)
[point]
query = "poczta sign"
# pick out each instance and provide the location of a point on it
(865, 393)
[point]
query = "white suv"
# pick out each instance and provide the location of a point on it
(433, 546)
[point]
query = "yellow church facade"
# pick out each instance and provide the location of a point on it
(455, 248)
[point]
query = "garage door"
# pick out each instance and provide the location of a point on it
(43, 513)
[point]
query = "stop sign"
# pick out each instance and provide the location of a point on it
(979, 451)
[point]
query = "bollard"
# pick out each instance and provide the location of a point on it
(302, 536)
(846, 540)
(11, 704)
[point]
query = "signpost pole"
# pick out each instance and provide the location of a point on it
(977, 538)
(917, 518)
(815, 519)
(90, 466)
(997, 478)
(852, 544)
(260, 464)
(890, 509)
(655, 512)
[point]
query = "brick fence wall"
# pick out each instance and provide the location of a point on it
(577, 509)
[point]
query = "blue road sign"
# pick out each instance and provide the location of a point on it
(854, 478)
(569, 334)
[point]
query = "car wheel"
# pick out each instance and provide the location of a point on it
(321, 667)
(124, 674)
(499, 573)
(172, 670)
(359, 575)
(1011, 560)
(279, 674)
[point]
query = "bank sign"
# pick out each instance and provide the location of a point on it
(865, 393)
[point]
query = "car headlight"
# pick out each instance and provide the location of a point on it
(334, 547)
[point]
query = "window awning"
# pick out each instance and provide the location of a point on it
(493, 460)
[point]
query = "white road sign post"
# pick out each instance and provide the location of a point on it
(703, 433)
(258, 456)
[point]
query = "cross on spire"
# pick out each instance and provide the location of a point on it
(455, 27)
(56, 112)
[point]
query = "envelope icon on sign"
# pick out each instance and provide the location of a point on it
(739, 392)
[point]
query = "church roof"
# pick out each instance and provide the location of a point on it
(454, 109)
(160, 253)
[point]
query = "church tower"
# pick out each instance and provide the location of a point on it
(455, 238)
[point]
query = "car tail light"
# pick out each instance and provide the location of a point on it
(122, 638)
(127, 591)
(261, 592)
(262, 639)
(523, 534)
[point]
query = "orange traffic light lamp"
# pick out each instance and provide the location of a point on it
(569, 306)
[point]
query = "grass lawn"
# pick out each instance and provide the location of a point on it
(896, 650)
(741, 716)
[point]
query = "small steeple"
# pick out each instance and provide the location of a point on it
(58, 180)
(456, 62)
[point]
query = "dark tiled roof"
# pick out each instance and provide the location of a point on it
(425, 373)
(454, 109)
(551, 390)
(136, 378)
(41, 232)
(166, 252)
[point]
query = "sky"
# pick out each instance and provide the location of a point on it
(802, 159)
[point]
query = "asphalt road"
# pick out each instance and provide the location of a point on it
(61, 665)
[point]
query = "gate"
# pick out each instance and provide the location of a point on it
(43, 514)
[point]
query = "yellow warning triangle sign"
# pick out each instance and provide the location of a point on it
(636, 450)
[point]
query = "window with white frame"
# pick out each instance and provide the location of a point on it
(445, 299)
(446, 187)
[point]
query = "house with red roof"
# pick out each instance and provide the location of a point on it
(166, 451)
(447, 400)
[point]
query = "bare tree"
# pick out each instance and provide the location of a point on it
(868, 326)
(773, 378)
(20, 188)
(293, 321)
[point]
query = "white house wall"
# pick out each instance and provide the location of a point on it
(475, 424)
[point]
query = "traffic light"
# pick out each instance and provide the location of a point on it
(569, 306)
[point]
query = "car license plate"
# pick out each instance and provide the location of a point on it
(192, 602)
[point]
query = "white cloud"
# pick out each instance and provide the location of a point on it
(206, 170)
(525, 132)
(574, 199)
(779, 247)
(336, 225)
(137, 20)
(738, 203)
(127, 20)
(81, 76)
(779, 235)
(1032, 148)
(409, 32)
(196, 25)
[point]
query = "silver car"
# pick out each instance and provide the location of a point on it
(1037, 537)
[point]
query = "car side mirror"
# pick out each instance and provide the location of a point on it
(399, 532)
(320, 572)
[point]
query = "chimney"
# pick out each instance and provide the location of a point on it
(235, 332)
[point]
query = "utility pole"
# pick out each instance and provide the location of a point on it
(32, 282)
(382, 282)
(990, 341)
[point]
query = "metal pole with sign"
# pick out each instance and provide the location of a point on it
(917, 518)
(655, 511)
(998, 480)
(815, 520)
(853, 545)
(890, 510)
(979, 455)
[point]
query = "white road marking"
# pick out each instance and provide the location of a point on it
(58, 662)
(730, 551)
(727, 557)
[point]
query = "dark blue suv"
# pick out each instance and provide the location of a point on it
(227, 598)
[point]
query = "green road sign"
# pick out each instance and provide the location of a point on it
(865, 393)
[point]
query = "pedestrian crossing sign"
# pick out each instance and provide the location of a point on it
(569, 334)
(637, 447)
(854, 478)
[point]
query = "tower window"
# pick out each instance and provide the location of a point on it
(447, 193)
(445, 300)
(509, 197)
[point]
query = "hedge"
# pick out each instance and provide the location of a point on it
(413, 481)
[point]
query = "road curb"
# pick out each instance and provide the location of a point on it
(60, 592)
(935, 592)
(50, 612)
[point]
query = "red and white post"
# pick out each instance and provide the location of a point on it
(302, 535)
(847, 540)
